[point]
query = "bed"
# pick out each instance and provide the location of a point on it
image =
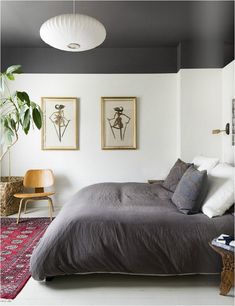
(129, 228)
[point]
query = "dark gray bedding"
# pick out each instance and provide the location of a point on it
(127, 228)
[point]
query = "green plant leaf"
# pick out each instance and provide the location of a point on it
(26, 120)
(14, 69)
(13, 124)
(37, 118)
(5, 123)
(16, 110)
(23, 96)
(8, 118)
(10, 76)
(22, 113)
(33, 104)
(26, 98)
(20, 95)
(26, 130)
(20, 103)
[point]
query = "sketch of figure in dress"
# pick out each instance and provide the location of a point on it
(119, 122)
(59, 121)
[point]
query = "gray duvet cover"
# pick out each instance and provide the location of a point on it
(127, 228)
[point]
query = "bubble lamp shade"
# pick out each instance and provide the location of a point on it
(73, 32)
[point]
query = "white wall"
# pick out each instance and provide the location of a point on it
(201, 108)
(228, 82)
(176, 114)
(156, 112)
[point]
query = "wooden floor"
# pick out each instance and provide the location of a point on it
(120, 289)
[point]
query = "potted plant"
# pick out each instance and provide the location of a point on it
(17, 111)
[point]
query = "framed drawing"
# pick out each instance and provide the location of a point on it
(59, 131)
(233, 122)
(118, 123)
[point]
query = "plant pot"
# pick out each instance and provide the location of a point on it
(8, 203)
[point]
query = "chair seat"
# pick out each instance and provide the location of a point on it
(33, 195)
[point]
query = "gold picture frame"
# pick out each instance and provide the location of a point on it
(118, 123)
(60, 123)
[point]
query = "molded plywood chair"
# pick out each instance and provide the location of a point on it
(37, 179)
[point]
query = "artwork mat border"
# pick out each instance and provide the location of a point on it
(134, 146)
(76, 125)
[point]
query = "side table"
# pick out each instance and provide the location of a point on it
(227, 274)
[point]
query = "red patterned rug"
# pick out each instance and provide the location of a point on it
(17, 242)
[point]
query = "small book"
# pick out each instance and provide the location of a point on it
(224, 241)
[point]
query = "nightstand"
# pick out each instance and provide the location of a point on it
(155, 181)
(227, 274)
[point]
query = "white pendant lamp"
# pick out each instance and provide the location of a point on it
(73, 32)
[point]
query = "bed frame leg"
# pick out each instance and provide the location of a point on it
(49, 278)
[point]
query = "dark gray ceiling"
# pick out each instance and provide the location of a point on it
(128, 23)
(142, 36)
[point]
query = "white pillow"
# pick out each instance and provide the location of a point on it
(220, 196)
(205, 163)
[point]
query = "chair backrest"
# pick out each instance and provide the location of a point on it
(39, 178)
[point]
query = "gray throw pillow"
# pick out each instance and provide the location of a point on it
(191, 191)
(173, 178)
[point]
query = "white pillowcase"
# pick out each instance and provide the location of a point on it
(205, 163)
(220, 196)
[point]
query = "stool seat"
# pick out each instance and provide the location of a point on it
(33, 195)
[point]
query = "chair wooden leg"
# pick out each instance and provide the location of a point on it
(50, 205)
(21, 202)
(25, 206)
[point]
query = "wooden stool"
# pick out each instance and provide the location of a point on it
(227, 274)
